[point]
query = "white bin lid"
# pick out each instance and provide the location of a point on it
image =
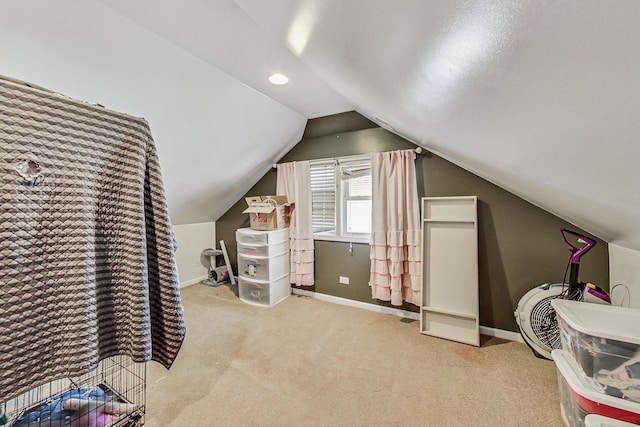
(593, 420)
(583, 385)
(606, 321)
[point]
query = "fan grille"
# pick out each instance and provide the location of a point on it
(544, 323)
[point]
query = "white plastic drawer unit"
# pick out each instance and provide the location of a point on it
(579, 396)
(256, 237)
(257, 292)
(263, 250)
(605, 343)
(263, 268)
(262, 292)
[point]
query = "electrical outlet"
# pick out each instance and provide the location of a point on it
(344, 280)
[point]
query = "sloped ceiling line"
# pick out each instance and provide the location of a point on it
(536, 99)
(539, 98)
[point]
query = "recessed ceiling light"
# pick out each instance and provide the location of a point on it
(278, 79)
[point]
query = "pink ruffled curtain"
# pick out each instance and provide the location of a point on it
(293, 180)
(395, 234)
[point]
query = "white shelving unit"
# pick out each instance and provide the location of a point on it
(449, 306)
(263, 266)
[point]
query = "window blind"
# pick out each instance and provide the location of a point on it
(323, 195)
(357, 175)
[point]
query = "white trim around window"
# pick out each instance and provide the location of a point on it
(329, 188)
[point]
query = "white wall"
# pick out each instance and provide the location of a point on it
(215, 136)
(624, 267)
(192, 239)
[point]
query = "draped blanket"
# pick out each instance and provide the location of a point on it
(87, 266)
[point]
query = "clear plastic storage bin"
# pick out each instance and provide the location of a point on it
(605, 342)
(593, 420)
(579, 397)
(253, 291)
(256, 237)
(263, 268)
(263, 292)
(263, 250)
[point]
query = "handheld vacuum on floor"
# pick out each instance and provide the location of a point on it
(534, 315)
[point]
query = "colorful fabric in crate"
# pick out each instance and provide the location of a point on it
(51, 412)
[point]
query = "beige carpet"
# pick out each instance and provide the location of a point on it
(306, 362)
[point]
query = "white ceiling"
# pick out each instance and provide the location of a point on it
(538, 97)
(221, 34)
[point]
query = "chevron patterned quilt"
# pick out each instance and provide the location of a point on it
(87, 265)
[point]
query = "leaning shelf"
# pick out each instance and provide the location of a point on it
(450, 299)
(450, 312)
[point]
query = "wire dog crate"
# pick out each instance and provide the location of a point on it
(112, 395)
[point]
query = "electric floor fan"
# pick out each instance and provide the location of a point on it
(534, 315)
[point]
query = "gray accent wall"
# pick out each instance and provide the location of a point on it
(519, 244)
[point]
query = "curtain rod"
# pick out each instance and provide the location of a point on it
(417, 150)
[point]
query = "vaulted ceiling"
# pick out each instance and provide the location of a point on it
(538, 97)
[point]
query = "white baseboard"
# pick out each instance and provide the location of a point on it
(484, 330)
(501, 333)
(192, 281)
(358, 304)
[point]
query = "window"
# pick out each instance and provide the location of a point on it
(341, 198)
(323, 196)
